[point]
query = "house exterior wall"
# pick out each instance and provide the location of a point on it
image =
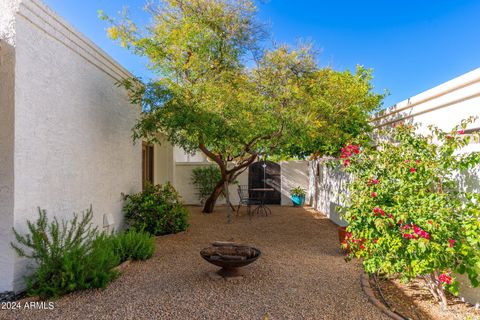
(72, 130)
(164, 164)
(7, 120)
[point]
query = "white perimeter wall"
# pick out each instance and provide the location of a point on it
(182, 182)
(72, 131)
(293, 174)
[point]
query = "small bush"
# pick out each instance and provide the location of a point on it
(133, 245)
(156, 210)
(204, 179)
(69, 256)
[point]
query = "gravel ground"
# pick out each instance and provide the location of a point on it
(300, 275)
(413, 300)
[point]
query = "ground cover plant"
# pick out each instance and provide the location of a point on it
(66, 255)
(71, 255)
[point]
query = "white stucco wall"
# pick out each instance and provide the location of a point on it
(183, 174)
(293, 174)
(164, 164)
(444, 106)
(72, 129)
(327, 186)
(7, 85)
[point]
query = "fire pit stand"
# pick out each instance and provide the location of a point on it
(230, 256)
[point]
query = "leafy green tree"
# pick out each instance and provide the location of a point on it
(206, 98)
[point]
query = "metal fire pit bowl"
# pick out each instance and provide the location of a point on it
(230, 257)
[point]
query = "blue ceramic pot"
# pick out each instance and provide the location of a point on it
(298, 201)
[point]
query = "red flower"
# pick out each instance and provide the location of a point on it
(374, 194)
(372, 181)
(362, 247)
(400, 222)
(417, 229)
(375, 240)
(418, 161)
(346, 162)
(452, 243)
(376, 210)
(412, 170)
(407, 161)
(449, 137)
(444, 278)
(390, 216)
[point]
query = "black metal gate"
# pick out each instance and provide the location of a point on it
(265, 174)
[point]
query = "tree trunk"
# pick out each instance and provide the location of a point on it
(212, 199)
(436, 289)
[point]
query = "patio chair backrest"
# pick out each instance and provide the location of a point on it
(243, 193)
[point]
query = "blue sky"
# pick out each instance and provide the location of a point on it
(411, 45)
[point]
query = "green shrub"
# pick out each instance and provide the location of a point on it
(133, 245)
(68, 256)
(156, 210)
(298, 191)
(204, 179)
(408, 213)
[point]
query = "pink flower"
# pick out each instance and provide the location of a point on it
(372, 181)
(444, 278)
(376, 210)
(412, 170)
(417, 229)
(452, 243)
(374, 194)
(461, 131)
(407, 161)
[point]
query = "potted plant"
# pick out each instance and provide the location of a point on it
(298, 196)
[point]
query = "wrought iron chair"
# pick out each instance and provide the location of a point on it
(245, 199)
